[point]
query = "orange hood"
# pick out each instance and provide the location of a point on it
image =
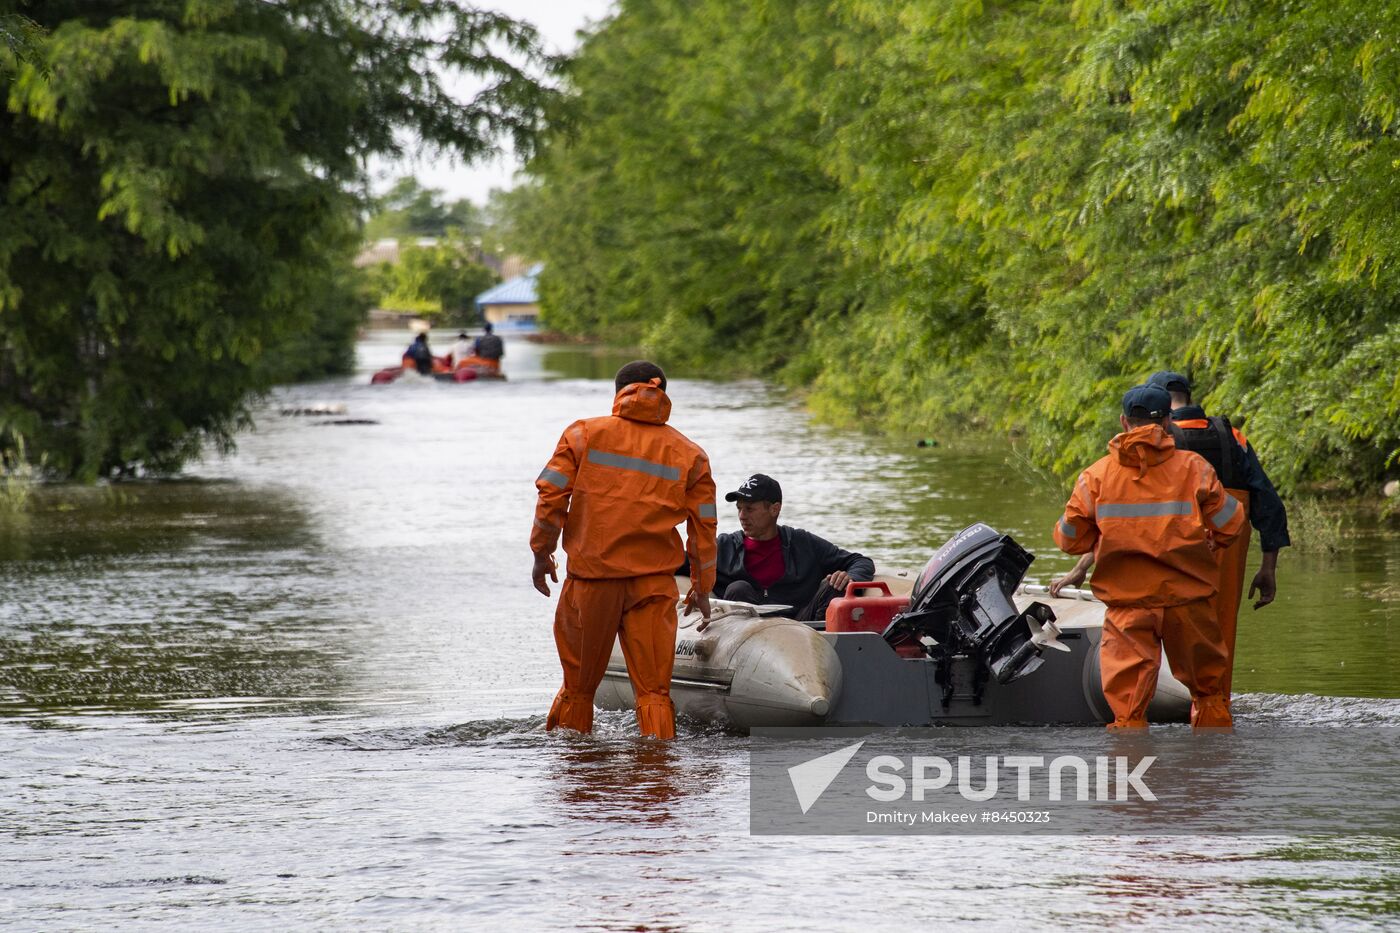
(1142, 447)
(643, 401)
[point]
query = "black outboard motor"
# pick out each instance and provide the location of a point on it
(963, 601)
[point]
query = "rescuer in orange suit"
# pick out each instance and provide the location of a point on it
(617, 487)
(1153, 515)
(1243, 476)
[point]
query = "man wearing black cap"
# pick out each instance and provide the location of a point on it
(1153, 515)
(771, 563)
(1226, 449)
(1240, 472)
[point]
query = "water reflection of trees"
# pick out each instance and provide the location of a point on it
(573, 362)
(183, 598)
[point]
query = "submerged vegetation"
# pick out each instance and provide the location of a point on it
(997, 212)
(17, 477)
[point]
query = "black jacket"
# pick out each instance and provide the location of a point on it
(1266, 512)
(807, 559)
(490, 347)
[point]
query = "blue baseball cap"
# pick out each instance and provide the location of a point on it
(1172, 382)
(1147, 401)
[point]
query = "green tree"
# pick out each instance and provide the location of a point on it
(177, 179)
(997, 212)
(445, 276)
(20, 37)
(408, 209)
(680, 199)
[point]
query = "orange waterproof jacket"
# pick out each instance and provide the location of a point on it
(1147, 508)
(618, 486)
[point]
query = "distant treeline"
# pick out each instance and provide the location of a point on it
(945, 212)
(439, 278)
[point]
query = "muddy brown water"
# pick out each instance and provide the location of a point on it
(306, 686)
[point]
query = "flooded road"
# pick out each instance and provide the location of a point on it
(306, 687)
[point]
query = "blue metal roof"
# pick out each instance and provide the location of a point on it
(517, 291)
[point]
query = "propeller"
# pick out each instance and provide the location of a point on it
(1046, 636)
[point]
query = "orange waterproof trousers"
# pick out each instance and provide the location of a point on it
(1131, 655)
(1228, 597)
(641, 613)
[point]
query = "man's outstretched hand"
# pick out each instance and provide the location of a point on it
(696, 601)
(544, 567)
(1075, 576)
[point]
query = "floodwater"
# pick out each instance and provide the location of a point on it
(305, 688)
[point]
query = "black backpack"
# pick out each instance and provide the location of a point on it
(1216, 442)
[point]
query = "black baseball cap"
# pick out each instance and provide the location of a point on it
(1172, 382)
(1147, 401)
(757, 488)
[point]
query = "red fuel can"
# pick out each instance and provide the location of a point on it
(852, 613)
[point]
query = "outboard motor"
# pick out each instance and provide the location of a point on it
(963, 602)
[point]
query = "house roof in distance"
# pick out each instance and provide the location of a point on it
(517, 291)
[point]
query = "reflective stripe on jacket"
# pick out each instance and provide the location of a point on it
(1146, 510)
(618, 486)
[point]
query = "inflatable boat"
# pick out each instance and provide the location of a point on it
(966, 643)
(469, 369)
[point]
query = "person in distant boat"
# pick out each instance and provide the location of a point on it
(419, 352)
(463, 348)
(770, 563)
(490, 348)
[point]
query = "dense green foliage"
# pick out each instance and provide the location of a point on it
(177, 200)
(941, 212)
(686, 210)
(438, 278)
(408, 209)
(442, 250)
